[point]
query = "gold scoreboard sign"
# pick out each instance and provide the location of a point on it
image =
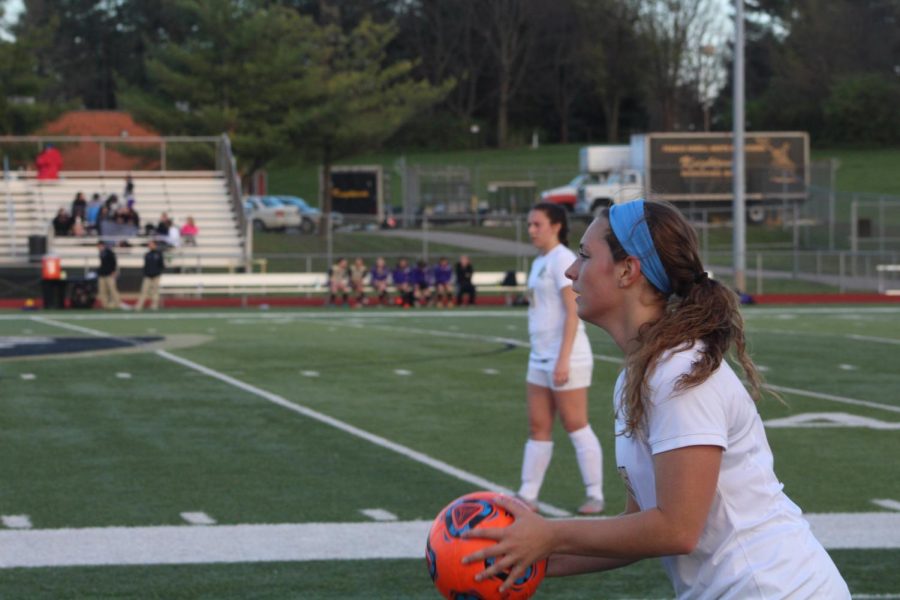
(699, 166)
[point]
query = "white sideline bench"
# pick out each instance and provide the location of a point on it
(197, 284)
(882, 287)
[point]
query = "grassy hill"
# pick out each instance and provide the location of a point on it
(860, 170)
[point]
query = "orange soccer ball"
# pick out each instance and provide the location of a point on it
(445, 549)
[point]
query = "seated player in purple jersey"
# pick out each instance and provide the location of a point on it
(443, 275)
(378, 277)
(421, 283)
(400, 277)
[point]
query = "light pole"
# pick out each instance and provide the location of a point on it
(738, 205)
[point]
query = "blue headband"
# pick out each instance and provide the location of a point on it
(630, 227)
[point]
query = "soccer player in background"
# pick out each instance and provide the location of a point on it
(358, 271)
(559, 365)
(379, 277)
(690, 444)
(337, 281)
(421, 284)
(442, 276)
(400, 277)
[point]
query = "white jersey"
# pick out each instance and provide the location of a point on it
(756, 543)
(547, 312)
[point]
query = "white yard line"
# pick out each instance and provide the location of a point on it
(16, 521)
(439, 465)
(887, 503)
(872, 338)
(379, 514)
(316, 541)
(198, 518)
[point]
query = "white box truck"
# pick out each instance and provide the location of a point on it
(695, 168)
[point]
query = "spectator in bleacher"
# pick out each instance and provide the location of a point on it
(123, 226)
(112, 204)
(92, 213)
(358, 271)
(129, 188)
(106, 278)
(442, 276)
(421, 283)
(78, 229)
(400, 277)
(173, 235)
(48, 163)
(189, 232)
(160, 230)
(379, 279)
(79, 206)
(62, 223)
(130, 217)
(337, 281)
(464, 286)
(154, 265)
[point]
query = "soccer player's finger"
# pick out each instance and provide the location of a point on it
(480, 555)
(500, 565)
(513, 506)
(515, 573)
(488, 533)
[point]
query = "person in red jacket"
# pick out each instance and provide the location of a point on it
(48, 163)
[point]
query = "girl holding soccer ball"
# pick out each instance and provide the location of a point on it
(690, 445)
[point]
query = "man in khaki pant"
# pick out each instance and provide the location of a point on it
(106, 278)
(153, 268)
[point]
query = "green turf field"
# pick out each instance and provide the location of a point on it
(304, 419)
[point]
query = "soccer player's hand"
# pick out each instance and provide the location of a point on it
(518, 546)
(561, 373)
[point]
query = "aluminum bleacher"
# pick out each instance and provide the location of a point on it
(203, 195)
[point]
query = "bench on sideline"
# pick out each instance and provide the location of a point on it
(198, 284)
(882, 287)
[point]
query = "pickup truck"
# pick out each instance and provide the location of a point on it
(617, 187)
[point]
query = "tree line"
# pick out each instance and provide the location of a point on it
(328, 77)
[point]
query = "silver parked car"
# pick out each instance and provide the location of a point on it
(311, 215)
(268, 213)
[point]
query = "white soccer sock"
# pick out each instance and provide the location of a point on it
(534, 466)
(590, 460)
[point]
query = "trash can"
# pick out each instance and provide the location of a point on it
(54, 293)
(37, 247)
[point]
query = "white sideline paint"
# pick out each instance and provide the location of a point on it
(872, 338)
(832, 398)
(309, 373)
(490, 371)
(846, 367)
(402, 372)
(198, 518)
(887, 503)
(29, 376)
(379, 514)
(316, 541)
(830, 419)
(123, 375)
(16, 521)
(439, 465)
